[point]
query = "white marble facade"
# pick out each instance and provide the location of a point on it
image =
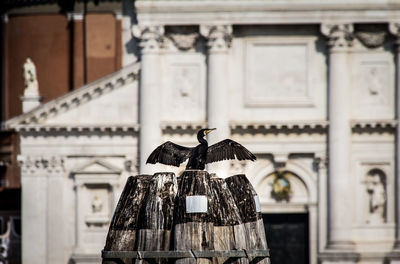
(310, 87)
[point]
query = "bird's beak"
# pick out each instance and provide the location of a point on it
(211, 129)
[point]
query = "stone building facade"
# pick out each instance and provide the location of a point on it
(310, 87)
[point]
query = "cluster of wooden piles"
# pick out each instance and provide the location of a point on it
(192, 213)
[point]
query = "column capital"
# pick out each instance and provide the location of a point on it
(218, 37)
(41, 164)
(340, 35)
(394, 29)
(118, 15)
(320, 163)
(151, 37)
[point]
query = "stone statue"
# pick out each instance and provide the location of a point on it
(97, 205)
(30, 78)
(377, 197)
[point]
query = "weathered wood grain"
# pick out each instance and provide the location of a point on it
(229, 232)
(156, 215)
(124, 224)
(244, 195)
(193, 230)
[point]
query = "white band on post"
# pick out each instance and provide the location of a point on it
(258, 205)
(196, 204)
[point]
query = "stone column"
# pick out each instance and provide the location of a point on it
(150, 90)
(218, 44)
(339, 138)
(394, 29)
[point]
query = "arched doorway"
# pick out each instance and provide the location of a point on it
(287, 232)
(288, 198)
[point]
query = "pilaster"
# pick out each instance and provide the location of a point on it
(394, 29)
(340, 38)
(151, 38)
(218, 43)
(42, 217)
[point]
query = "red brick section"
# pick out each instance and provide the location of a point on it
(78, 57)
(101, 45)
(46, 39)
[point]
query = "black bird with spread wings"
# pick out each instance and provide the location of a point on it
(170, 153)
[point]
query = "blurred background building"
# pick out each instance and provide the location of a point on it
(311, 87)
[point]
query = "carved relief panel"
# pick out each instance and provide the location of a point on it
(374, 86)
(184, 88)
(277, 73)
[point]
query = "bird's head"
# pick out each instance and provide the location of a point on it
(203, 132)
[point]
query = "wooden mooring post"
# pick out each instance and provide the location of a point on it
(193, 219)
(194, 228)
(229, 231)
(156, 215)
(124, 224)
(248, 204)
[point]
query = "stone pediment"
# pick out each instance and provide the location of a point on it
(97, 104)
(97, 167)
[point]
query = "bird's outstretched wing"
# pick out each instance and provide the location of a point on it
(228, 149)
(169, 154)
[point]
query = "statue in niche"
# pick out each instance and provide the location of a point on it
(30, 78)
(97, 204)
(375, 184)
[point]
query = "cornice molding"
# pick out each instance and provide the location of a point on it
(234, 5)
(103, 128)
(374, 125)
(77, 97)
(265, 12)
(281, 125)
(182, 126)
(312, 126)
